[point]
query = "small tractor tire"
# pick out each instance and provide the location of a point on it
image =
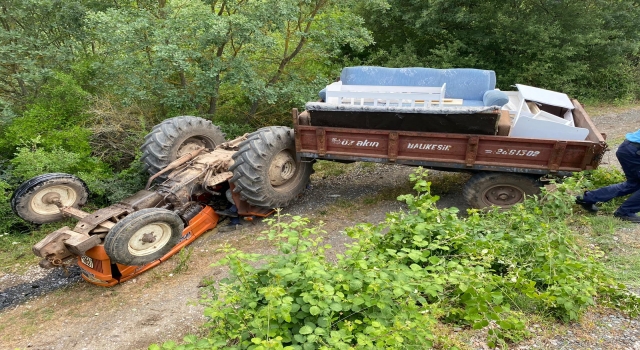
(37, 200)
(143, 236)
(175, 137)
(486, 189)
(266, 171)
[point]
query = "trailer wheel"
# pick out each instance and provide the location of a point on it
(143, 236)
(175, 137)
(266, 172)
(504, 190)
(37, 200)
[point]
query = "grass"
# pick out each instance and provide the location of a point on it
(15, 249)
(626, 267)
(617, 239)
(183, 258)
(596, 108)
(324, 169)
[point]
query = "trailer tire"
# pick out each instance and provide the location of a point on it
(266, 171)
(34, 200)
(143, 236)
(486, 189)
(175, 137)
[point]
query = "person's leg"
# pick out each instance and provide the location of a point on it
(630, 163)
(630, 207)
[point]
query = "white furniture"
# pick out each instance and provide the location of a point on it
(540, 124)
(379, 95)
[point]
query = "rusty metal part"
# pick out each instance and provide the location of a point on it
(503, 195)
(218, 179)
(190, 174)
(142, 200)
(101, 217)
(282, 168)
(233, 144)
(246, 209)
(190, 210)
(176, 163)
(52, 198)
(148, 237)
(63, 244)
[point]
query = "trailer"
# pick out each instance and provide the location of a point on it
(505, 169)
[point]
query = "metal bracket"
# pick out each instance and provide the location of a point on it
(472, 150)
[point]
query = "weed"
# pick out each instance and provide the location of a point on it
(324, 169)
(446, 182)
(207, 281)
(182, 264)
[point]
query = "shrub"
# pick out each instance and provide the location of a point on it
(32, 160)
(419, 267)
(54, 117)
(9, 219)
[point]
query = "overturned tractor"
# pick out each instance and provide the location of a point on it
(193, 171)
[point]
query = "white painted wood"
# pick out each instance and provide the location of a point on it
(542, 115)
(375, 95)
(543, 129)
(569, 117)
(548, 97)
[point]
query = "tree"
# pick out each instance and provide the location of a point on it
(37, 37)
(180, 54)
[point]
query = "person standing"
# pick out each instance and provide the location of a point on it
(629, 156)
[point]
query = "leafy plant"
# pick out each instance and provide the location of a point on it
(397, 279)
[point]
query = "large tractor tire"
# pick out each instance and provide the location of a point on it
(37, 200)
(486, 189)
(266, 172)
(175, 137)
(143, 237)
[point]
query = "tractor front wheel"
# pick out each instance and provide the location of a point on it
(40, 199)
(143, 236)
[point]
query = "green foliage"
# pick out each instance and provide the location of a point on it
(38, 37)
(32, 160)
(108, 188)
(489, 270)
(233, 130)
(9, 218)
(300, 299)
(199, 56)
(54, 118)
(601, 177)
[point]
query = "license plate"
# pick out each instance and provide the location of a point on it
(87, 261)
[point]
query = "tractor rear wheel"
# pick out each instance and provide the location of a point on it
(38, 200)
(175, 137)
(266, 171)
(143, 236)
(486, 189)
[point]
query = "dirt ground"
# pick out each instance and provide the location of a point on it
(162, 304)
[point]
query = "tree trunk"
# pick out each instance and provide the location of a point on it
(253, 110)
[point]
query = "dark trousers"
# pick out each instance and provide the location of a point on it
(630, 162)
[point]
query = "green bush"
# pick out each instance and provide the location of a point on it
(32, 160)
(427, 265)
(110, 189)
(9, 219)
(55, 117)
